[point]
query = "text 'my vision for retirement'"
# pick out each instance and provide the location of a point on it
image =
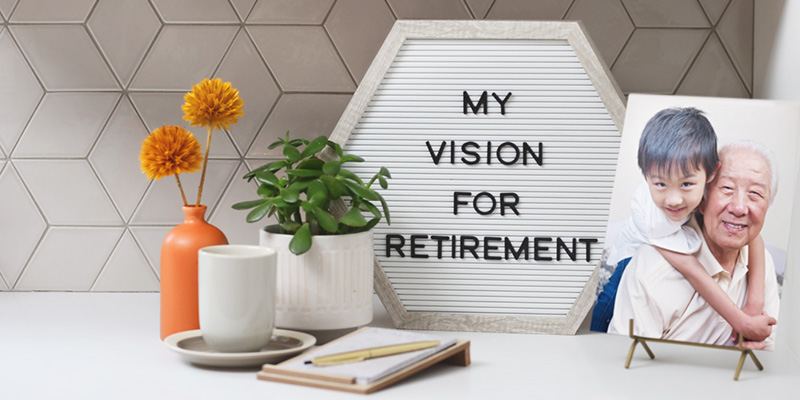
(484, 203)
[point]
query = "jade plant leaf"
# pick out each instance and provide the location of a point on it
(351, 158)
(351, 176)
(291, 152)
(246, 205)
(360, 190)
(336, 148)
(335, 188)
(311, 163)
(267, 177)
(326, 220)
(315, 146)
(368, 206)
(259, 212)
(304, 173)
(289, 196)
(353, 218)
(301, 241)
(385, 210)
(332, 167)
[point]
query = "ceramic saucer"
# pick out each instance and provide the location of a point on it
(285, 343)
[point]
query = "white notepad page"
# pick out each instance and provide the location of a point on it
(371, 370)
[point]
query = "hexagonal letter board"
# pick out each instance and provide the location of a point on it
(502, 140)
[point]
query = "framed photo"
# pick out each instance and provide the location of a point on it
(746, 182)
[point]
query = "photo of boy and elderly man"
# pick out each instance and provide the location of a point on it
(689, 263)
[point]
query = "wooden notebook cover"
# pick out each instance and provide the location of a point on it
(457, 354)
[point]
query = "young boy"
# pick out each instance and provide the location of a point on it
(678, 157)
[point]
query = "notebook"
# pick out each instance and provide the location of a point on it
(368, 371)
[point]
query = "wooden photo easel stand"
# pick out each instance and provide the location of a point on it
(643, 340)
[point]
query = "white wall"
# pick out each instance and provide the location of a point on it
(776, 61)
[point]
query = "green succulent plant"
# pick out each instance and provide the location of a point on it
(302, 189)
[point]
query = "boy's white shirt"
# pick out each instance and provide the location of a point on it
(648, 224)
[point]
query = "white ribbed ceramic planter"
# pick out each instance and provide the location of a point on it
(328, 287)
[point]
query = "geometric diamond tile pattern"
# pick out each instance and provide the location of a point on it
(83, 81)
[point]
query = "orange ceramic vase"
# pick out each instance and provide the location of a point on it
(179, 270)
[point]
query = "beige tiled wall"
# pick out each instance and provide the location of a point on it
(83, 81)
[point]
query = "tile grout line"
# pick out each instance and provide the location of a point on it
(144, 254)
(92, 149)
(47, 227)
(341, 59)
(99, 49)
(630, 36)
(675, 28)
(13, 10)
(147, 50)
(105, 263)
(214, 75)
(725, 49)
(391, 10)
(317, 92)
(105, 190)
(728, 53)
(703, 10)
(685, 73)
(5, 282)
(91, 11)
(250, 12)
(105, 125)
(2, 277)
(261, 126)
(150, 182)
(569, 8)
(469, 10)
(158, 13)
(44, 23)
(263, 59)
(12, 164)
(236, 11)
(225, 189)
(328, 13)
(227, 50)
(277, 83)
(35, 251)
(41, 86)
(488, 10)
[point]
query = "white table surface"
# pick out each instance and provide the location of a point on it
(106, 346)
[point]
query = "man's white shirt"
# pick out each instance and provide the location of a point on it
(663, 304)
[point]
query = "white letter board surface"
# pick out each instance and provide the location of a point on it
(502, 140)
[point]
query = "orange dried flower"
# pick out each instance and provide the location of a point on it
(213, 104)
(170, 150)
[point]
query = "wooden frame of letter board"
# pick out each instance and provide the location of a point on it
(608, 91)
(457, 354)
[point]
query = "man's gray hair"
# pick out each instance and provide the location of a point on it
(765, 153)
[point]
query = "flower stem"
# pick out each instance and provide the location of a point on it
(205, 163)
(183, 194)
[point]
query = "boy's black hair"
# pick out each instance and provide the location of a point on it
(678, 138)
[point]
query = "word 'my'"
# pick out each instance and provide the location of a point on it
(483, 101)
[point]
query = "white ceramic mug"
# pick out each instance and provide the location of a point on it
(236, 296)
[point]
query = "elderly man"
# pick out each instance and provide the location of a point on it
(661, 301)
